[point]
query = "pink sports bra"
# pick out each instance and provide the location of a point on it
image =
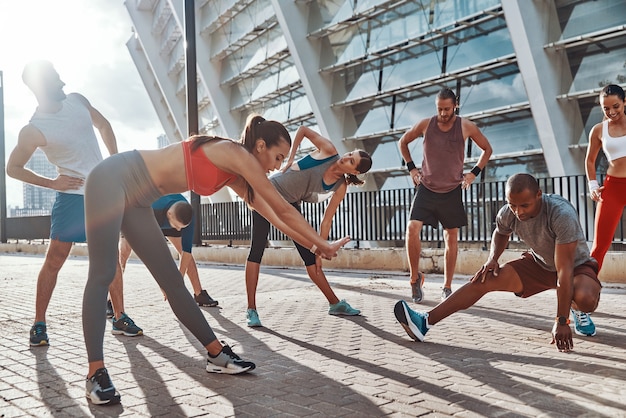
(614, 147)
(203, 177)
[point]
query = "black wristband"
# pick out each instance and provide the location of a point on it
(410, 166)
(476, 171)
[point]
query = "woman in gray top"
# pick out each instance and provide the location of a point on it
(313, 178)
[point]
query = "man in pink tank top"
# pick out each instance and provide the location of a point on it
(439, 181)
(63, 128)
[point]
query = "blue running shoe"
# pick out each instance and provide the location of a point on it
(342, 308)
(414, 323)
(583, 325)
(125, 326)
(253, 318)
(38, 335)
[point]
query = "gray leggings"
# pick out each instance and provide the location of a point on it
(118, 195)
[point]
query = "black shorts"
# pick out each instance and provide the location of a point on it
(433, 208)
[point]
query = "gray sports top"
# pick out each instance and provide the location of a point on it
(305, 185)
(556, 223)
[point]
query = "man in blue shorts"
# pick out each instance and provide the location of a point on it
(176, 219)
(63, 128)
(558, 259)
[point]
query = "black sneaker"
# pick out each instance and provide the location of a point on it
(100, 390)
(228, 362)
(38, 335)
(203, 299)
(110, 312)
(126, 326)
(417, 293)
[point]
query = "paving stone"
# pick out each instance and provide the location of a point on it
(493, 359)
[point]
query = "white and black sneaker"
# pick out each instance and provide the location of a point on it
(100, 389)
(228, 362)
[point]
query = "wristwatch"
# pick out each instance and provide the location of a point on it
(562, 320)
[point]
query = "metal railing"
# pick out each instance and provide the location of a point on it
(371, 216)
(381, 216)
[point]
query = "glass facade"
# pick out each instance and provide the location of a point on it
(363, 72)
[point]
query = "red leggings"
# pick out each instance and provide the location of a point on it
(608, 214)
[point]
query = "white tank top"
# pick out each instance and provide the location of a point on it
(72, 145)
(614, 148)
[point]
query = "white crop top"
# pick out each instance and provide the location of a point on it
(614, 148)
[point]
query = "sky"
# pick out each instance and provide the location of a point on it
(86, 42)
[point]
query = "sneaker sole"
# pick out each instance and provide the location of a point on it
(401, 313)
(40, 344)
(96, 401)
(126, 334)
(225, 370)
(210, 305)
(344, 313)
(255, 325)
(582, 334)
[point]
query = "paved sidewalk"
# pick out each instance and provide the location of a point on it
(492, 360)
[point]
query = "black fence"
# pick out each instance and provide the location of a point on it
(381, 216)
(370, 216)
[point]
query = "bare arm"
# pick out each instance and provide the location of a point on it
(595, 144)
(103, 126)
(499, 242)
(331, 209)
(28, 140)
(267, 201)
(403, 144)
(470, 130)
(325, 147)
(564, 261)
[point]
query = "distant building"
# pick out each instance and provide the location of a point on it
(363, 72)
(162, 141)
(39, 200)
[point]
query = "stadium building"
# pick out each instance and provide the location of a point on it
(528, 72)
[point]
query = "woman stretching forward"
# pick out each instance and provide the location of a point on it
(313, 178)
(118, 197)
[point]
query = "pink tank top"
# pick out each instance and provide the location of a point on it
(442, 167)
(203, 177)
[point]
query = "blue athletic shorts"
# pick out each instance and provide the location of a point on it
(68, 218)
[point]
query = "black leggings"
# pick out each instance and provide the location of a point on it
(118, 195)
(260, 231)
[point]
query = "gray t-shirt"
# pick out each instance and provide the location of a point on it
(556, 223)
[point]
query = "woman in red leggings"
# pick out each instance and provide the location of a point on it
(610, 135)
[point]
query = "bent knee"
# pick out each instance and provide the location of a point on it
(413, 228)
(587, 302)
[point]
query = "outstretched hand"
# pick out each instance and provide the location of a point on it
(491, 267)
(329, 252)
(562, 337)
